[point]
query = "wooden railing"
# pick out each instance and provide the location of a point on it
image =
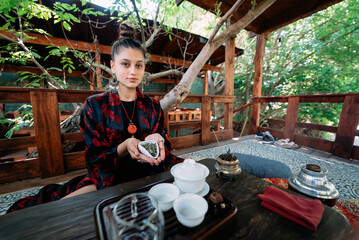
(342, 146)
(48, 140)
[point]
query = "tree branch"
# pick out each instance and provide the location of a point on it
(140, 22)
(52, 82)
(164, 74)
(180, 91)
(224, 19)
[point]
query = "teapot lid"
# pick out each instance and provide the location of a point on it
(189, 170)
(312, 180)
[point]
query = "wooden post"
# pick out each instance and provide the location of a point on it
(47, 133)
(205, 83)
(257, 85)
(98, 72)
(2, 109)
(254, 116)
(348, 122)
(291, 117)
(167, 122)
(229, 81)
(91, 81)
(205, 120)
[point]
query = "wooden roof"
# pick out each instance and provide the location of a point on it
(281, 13)
(106, 35)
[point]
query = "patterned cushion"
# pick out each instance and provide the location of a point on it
(263, 167)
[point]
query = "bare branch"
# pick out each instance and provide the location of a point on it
(164, 74)
(139, 21)
(150, 40)
(224, 19)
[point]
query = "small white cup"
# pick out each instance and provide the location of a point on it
(164, 194)
(190, 209)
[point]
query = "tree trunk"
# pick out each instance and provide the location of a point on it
(180, 92)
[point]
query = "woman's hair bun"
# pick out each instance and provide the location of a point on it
(126, 32)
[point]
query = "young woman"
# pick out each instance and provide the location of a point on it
(112, 124)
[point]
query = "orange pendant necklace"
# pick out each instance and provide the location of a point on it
(132, 129)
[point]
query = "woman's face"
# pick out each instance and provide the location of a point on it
(128, 67)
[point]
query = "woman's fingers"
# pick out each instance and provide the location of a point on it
(162, 150)
(144, 159)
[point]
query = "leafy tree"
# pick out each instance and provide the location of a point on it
(315, 55)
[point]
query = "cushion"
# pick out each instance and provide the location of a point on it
(263, 167)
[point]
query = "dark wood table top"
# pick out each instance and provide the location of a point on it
(73, 218)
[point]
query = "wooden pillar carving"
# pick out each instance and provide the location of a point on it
(291, 117)
(348, 122)
(205, 120)
(257, 82)
(47, 133)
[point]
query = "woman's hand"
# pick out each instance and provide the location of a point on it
(161, 144)
(131, 145)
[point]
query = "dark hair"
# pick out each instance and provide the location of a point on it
(126, 39)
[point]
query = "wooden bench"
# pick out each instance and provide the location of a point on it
(185, 118)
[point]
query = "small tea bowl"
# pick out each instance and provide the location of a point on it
(164, 194)
(144, 147)
(190, 209)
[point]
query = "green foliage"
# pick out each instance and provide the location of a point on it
(24, 119)
(315, 55)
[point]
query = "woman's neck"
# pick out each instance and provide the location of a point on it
(127, 95)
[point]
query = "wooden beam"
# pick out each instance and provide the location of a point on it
(205, 83)
(323, 98)
(98, 71)
(39, 39)
(238, 109)
(257, 85)
(180, 62)
(291, 117)
(258, 62)
(74, 161)
(229, 66)
(186, 141)
(222, 135)
(47, 129)
(35, 70)
(229, 82)
(17, 143)
(72, 137)
(316, 143)
(19, 170)
(348, 122)
(164, 80)
(178, 2)
(205, 120)
(18, 95)
(311, 126)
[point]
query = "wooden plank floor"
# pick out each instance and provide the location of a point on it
(38, 182)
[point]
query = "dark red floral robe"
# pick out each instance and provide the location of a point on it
(104, 126)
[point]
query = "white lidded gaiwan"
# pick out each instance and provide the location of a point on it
(143, 150)
(190, 176)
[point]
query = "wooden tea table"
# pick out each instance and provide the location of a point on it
(73, 218)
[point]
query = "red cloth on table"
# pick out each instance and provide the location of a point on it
(306, 212)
